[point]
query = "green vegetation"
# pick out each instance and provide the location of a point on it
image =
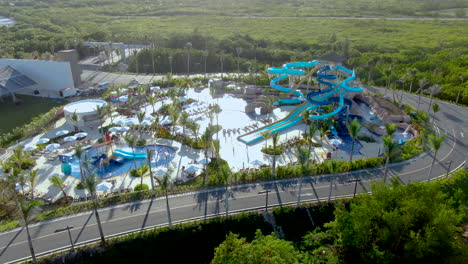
(416, 223)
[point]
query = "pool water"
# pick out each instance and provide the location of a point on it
(368, 114)
(161, 155)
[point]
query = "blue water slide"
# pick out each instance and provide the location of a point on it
(292, 101)
(276, 80)
(129, 155)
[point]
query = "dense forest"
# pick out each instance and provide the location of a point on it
(210, 36)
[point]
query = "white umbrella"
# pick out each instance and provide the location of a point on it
(43, 141)
(29, 148)
(160, 171)
(192, 169)
(104, 186)
(131, 122)
(18, 186)
(119, 122)
(203, 161)
(256, 162)
(146, 123)
(166, 122)
(183, 99)
(62, 132)
(114, 129)
(187, 106)
(69, 139)
(335, 141)
(149, 118)
(123, 98)
(81, 135)
(155, 88)
(52, 146)
(114, 92)
(124, 128)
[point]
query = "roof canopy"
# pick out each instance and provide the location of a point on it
(13, 80)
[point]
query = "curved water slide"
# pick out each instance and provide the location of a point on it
(129, 155)
(285, 72)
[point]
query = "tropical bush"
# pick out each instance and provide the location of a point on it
(141, 187)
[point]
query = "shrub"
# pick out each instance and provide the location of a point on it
(80, 186)
(135, 173)
(141, 187)
(141, 142)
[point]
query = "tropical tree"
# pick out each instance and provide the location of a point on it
(143, 172)
(174, 114)
(26, 211)
(32, 178)
(225, 174)
(389, 148)
(165, 183)
(206, 142)
(421, 83)
(334, 166)
(74, 118)
(462, 79)
(90, 184)
(100, 111)
(184, 118)
(411, 77)
(354, 128)
(194, 128)
(59, 183)
(152, 101)
(221, 60)
(266, 135)
(188, 47)
(274, 138)
(131, 140)
(435, 142)
(433, 90)
(109, 110)
(149, 158)
(435, 109)
(141, 117)
(303, 156)
(79, 154)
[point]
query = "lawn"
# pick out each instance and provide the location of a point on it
(17, 115)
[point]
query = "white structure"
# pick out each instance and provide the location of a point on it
(50, 76)
(85, 110)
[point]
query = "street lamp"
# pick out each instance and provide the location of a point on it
(69, 235)
(449, 163)
(355, 185)
(266, 198)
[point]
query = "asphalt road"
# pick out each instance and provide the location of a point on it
(451, 120)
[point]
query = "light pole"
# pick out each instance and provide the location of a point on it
(69, 235)
(449, 163)
(266, 198)
(355, 185)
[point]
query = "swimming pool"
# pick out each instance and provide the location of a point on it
(161, 155)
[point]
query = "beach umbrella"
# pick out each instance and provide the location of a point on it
(155, 88)
(146, 123)
(160, 171)
(187, 106)
(131, 122)
(114, 129)
(335, 141)
(52, 146)
(203, 161)
(166, 122)
(183, 99)
(149, 118)
(124, 128)
(114, 92)
(123, 98)
(29, 148)
(69, 139)
(19, 186)
(81, 135)
(43, 141)
(119, 122)
(256, 162)
(104, 186)
(62, 132)
(192, 169)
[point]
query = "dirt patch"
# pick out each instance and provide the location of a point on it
(388, 106)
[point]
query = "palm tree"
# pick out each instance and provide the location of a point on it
(149, 157)
(109, 110)
(165, 184)
(152, 101)
(421, 83)
(433, 90)
(389, 147)
(79, 153)
(225, 175)
(354, 128)
(32, 177)
(131, 139)
(266, 135)
(310, 135)
(100, 110)
(59, 183)
(140, 117)
(143, 172)
(74, 118)
(303, 156)
(334, 166)
(435, 143)
(411, 74)
(194, 128)
(26, 211)
(435, 109)
(206, 141)
(184, 118)
(91, 184)
(188, 47)
(221, 60)
(274, 138)
(462, 79)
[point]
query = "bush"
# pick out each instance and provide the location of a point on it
(141, 187)
(141, 142)
(80, 186)
(135, 173)
(273, 151)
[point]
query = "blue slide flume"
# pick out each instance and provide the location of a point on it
(129, 155)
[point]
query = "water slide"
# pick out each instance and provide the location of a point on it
(315, 98)
(129, 155)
